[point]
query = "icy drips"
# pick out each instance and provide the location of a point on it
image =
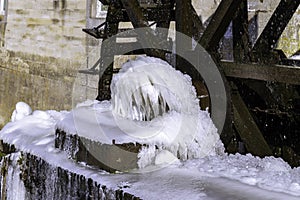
(150, 96)
(12, 186)
(149, 87)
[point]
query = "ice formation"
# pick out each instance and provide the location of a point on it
(148, 87)
(149, 94)
(15, 189)
(211, 177)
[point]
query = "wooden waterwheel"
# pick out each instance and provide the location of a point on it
(262, 84)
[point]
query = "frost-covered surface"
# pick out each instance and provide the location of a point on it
(211, 177)
(151, 104)
(204, 171)
(147, 87)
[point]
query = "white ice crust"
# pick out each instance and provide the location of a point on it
(211, 177)
(152, 104)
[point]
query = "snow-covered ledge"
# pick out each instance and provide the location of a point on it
(109, 157)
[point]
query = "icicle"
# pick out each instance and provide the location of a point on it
(150, 91)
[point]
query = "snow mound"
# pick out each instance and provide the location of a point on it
(158, 105)
(22, 110)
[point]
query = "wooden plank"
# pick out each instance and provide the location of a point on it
(219, 23)
(264, 72)
(275, 26)
(110, 157)
(247, 128)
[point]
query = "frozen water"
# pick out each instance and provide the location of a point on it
(165, 157)
(15, 189)
(41, 114)
(148, 87)
(172, 127)
(152, 104)
(211, 177)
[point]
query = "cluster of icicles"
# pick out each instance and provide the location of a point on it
(150, 90)
(148, 87)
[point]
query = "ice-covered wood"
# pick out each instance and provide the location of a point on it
(109, 157)
(27, 176)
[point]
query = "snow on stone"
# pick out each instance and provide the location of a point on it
(211, 177)
(203, 171)
(22, 110)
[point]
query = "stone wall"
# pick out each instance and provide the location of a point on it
(40, 81)
(34, 178)
(290, 39)
(47, 29)
(44, 46)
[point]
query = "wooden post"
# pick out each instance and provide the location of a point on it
(247, 128)
(219, 23)
(111, 28)
(241, 46)
(136, 16)
(183, 26)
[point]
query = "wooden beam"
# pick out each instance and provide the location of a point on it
(183, 23)
(198, 27)
(165, 11)
(138, 20)
(264, 72)
(241, 45)
(111, 28)
(135, 13)
(275, 26)
(105, 2)
(184, 27)
(153, 14)
(219, 23)
(247, 128)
